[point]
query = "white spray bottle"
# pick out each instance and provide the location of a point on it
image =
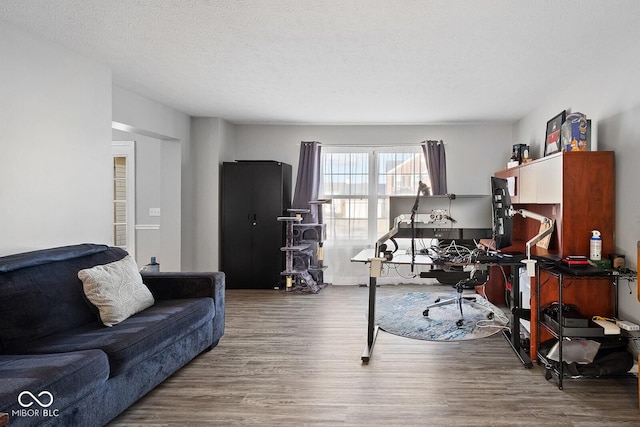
(595, 246)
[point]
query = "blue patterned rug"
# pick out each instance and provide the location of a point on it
(402, 314)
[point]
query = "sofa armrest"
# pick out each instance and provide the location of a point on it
(177, 285)
(168, 285)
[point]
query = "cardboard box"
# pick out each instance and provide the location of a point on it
(573, 133)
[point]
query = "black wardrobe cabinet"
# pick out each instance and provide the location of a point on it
(254, 194)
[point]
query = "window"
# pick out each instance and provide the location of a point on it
(359, 180)
(120, 202)
(123, 153)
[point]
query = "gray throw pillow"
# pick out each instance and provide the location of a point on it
(116, 289)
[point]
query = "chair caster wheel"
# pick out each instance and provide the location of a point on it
(490, 316)
(459, 323)
(437, 300)
(425, 313)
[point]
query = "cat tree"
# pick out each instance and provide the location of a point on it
(304, 260)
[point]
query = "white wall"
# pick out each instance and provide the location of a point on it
(171, 205)
(474, 152)
(157, 164)
(55, 153)
(55, 145)
(162, 134)
(610, 97)
(212, 145)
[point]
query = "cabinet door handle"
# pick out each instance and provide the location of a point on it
(255, 220)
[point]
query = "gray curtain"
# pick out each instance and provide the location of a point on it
(436, 165)
(308, 180)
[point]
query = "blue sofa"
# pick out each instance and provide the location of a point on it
(59, 365)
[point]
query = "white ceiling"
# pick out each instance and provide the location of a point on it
(341, 61)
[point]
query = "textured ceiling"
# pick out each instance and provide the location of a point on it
(341, 61)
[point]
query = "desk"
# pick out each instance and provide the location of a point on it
(368, 256)
(400, 257)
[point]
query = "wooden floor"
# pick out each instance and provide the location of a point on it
(293, 359)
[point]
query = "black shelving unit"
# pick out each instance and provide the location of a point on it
(253, 195)
(554, 326)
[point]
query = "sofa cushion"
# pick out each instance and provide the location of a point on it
(46, 282)
(135, 339)
(56, 380)
(116, 289)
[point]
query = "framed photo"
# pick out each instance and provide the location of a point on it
(552, 135)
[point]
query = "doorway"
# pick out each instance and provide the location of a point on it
(124, 189)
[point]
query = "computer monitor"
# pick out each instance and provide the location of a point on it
(500, 207)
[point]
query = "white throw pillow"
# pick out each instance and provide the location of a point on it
(116, 289)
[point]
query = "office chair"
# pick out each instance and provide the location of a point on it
(460, 300)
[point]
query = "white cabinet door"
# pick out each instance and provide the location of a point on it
(528, 184)
(549, 179)
(541, 181)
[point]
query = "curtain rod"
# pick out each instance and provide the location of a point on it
(376, 145)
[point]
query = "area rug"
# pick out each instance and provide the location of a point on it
(402, 314)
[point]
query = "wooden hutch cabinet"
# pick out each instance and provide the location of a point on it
(577, 190)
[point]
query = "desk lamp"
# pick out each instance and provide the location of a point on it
(531, 263)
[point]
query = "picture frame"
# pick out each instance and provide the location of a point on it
(552, 142)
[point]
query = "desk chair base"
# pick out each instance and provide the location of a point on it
(459, 300)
